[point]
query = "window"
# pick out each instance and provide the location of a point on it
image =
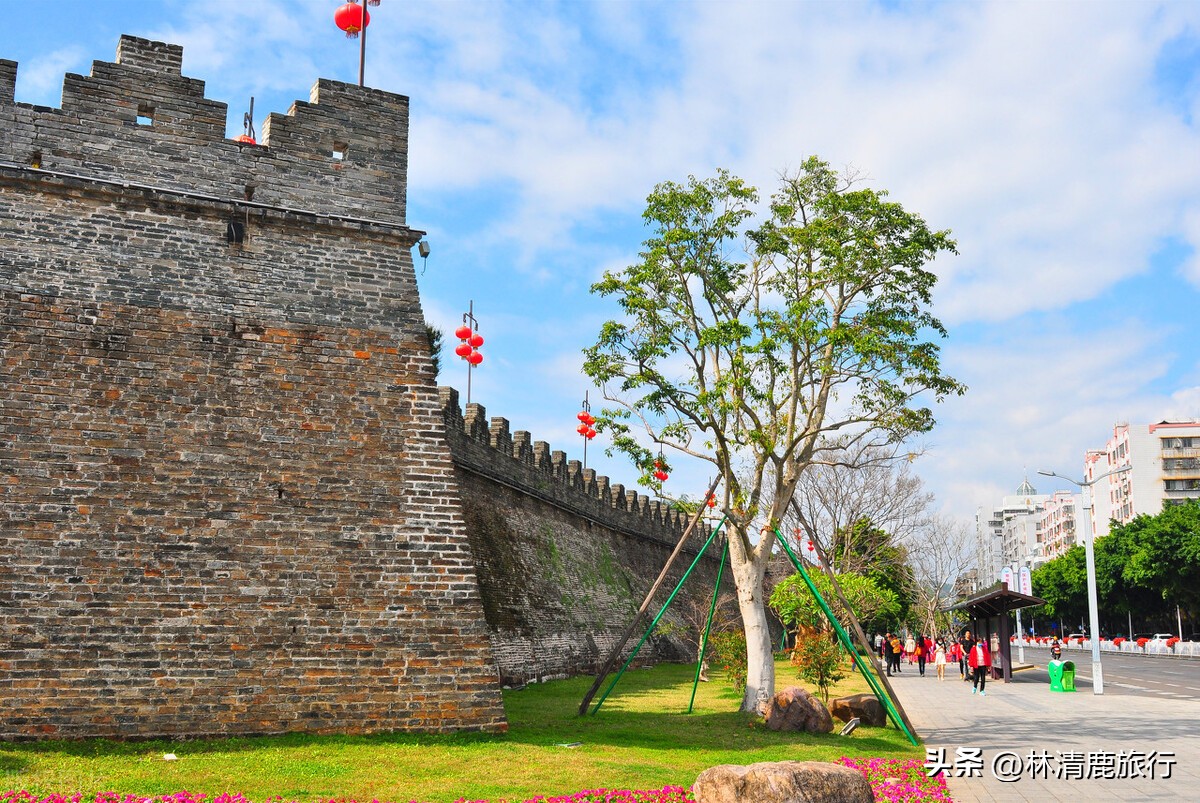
(340, 149)
(145, 114)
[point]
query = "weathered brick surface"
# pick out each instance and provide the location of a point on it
(565, 557)
(226, 501)
(229, 502)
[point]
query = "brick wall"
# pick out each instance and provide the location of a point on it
(226, 502)
(566, 557)
(231, 499)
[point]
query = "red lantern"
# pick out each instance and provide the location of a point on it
(712, 501)
(582, 429)
(591, 433)
(462, 332)
(351, 18)
(583, 416)
(474, 358)
(811, 546)
(475, 340)
(463, 350)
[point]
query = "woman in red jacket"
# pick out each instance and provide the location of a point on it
(979, 658)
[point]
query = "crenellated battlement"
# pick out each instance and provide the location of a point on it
(489, 447)
(343, 152)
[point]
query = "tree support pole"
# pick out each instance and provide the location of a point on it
(611, 660)
(712, 609)
(661, 611)
(901, 722)
(862, 637)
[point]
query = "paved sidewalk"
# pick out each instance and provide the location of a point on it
(1025, 717)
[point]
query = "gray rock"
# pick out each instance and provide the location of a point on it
(795, 709)
(782, 782)
(864, 706)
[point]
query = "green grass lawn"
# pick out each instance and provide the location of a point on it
(641, 739)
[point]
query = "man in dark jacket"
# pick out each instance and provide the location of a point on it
(966, 643)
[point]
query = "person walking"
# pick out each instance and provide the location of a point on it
(897, 653)
(887, 654)
(980, 660)
(965, 642)
(939, 661)
(922, 654)
(910, 647)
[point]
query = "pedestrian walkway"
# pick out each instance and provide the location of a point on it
(1077, 747)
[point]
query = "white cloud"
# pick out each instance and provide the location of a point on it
(40, 80)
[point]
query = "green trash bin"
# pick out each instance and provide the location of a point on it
(1062, 675)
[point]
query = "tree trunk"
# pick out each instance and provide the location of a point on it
(760, 660)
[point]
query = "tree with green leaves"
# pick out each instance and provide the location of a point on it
(763, 345)
(1062, 582)
(797, 608)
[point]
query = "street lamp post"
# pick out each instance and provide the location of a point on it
(1089, 551)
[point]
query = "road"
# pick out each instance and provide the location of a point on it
(1171, 678)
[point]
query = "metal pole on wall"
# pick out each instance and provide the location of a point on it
(362, 44)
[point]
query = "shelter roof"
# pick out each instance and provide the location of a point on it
(996, 600)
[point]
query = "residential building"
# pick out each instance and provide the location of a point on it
(1164, 468)
(1016, 524)
(1056, 524)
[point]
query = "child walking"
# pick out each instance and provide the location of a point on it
(939, 660)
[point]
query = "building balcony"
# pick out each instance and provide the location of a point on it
(1181, 473)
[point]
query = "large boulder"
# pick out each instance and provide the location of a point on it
(782, 782)
(794, 709)
(866, 707)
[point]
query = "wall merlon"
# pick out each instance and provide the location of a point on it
(8, 81)
(133, 51)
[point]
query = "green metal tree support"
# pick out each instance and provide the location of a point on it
(663, 610)
(712, 609)
(844, 639)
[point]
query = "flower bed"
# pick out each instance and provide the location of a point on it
(900, 781)
(668, 794)
(892, 781)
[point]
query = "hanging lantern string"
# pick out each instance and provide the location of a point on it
(469, 343)
(660, 466)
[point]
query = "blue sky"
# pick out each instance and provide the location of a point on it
(1060, 142)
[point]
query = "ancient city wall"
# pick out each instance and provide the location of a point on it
(227, 501)
(565, 557)
(231, 499)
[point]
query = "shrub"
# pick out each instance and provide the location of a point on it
(728, 653)
(1171, 642)
(1118, 641)
(1142, 642)
(819, 659)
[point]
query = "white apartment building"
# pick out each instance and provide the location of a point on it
(1056, 524)
(1164, 467)
(1015, 526)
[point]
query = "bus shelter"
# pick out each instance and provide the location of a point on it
(988, 612)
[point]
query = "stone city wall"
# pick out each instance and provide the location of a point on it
(227, 502)
(566, 557)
